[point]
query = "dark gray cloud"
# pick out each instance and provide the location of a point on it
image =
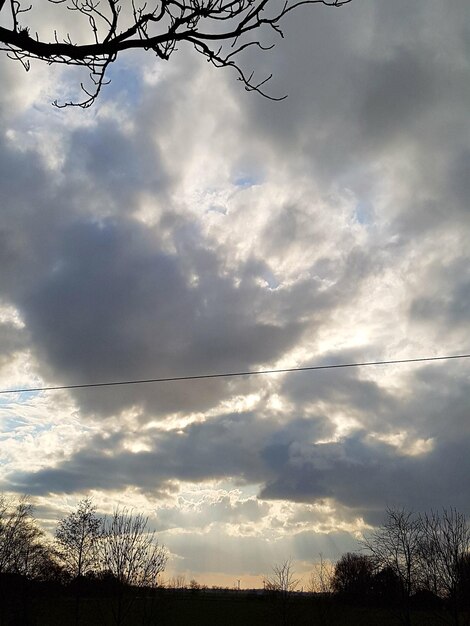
(341, 388)
(367, 474)
(376, 91)
(359, 471)
(12, 341)
(114, 306)
(40, 205)
(114, 166)
(399, 91)
(104, 299)
(370, 476)
(108, 297)
(443, 298)
(230, 446)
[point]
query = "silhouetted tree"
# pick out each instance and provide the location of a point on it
(177, 582)
(24, 556)
(445, 547)
(395, 547)
(218, 29)
(281, 583)
(49, 567)
(22, 546)
(321, 582)
(129, 552)
(282, 578)
(77, 535)
(463, 590)
(321, 578)
(353, 577)
(386, 587)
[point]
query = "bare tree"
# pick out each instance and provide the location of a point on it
(129, 551)
(321, 578)
(220, 30)
(177, 582)
(281, 583)
(425, 552)
(77, 535)
(444, 549)
(22, 546)
(396, 546)
(24, 556)
(13, 518)
(282, 578)
(321, 583)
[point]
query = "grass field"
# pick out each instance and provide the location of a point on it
(200, 608)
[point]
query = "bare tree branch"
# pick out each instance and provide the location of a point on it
(157, 26)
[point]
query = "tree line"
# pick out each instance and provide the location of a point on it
(111, 555)
(412, 561)
(122, 545)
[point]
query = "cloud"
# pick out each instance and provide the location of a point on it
(12, 341)
(226, 447)
(403, 458)
(183, 226)
(218, 508)
(114, 306)
(354, 472)
(423, 466)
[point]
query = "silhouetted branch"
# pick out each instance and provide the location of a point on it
(158, 26)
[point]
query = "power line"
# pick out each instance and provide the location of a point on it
(285, 370)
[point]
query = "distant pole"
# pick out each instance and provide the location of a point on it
(238, 584)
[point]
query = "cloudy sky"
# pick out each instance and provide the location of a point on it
(182, 226)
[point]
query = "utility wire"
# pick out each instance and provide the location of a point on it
(285, 370)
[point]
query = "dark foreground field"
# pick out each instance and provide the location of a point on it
(199, 608)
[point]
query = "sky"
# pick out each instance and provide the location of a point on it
(182, 226)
